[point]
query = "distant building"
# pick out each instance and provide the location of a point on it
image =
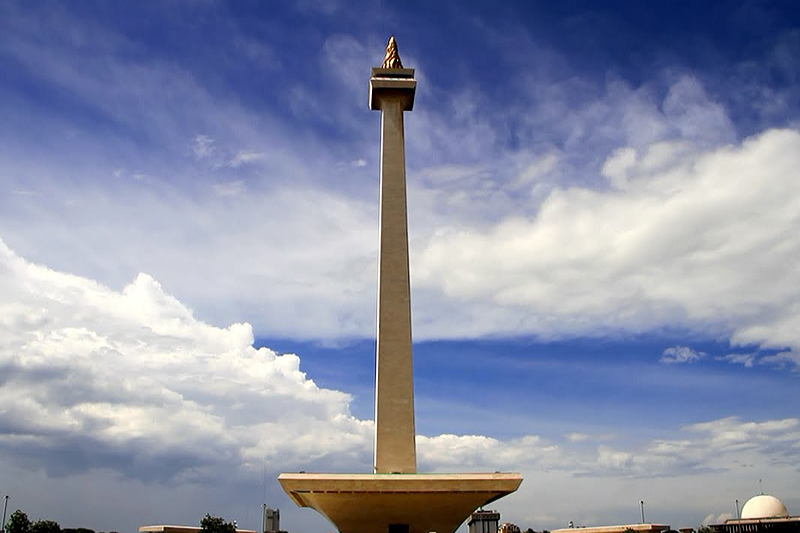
(508, 527)
(654, 528)
(272, 520)
(180, 529)
(484, 522)
(761, 513)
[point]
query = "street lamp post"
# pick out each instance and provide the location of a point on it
(5, 507)
(263, 517)
(642, 504)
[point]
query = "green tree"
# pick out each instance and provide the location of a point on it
(18, 523)
(45, 526)
(216, 524)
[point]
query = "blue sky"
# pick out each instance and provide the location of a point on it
(603, 215)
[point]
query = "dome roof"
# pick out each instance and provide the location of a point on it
(764, 506)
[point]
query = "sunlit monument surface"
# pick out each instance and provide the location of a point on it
(395, 498)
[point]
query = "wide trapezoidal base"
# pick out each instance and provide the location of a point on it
(370, 503)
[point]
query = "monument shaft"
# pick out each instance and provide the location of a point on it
(395, 449)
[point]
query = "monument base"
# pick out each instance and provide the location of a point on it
(374, 503)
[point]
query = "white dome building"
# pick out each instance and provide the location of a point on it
(764, 506)
(761, 514)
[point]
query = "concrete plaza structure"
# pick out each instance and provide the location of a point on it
(395, 498)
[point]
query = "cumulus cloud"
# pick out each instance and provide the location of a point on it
(719, 445)
(681, 354)
(617, 165)
(703, 239)
(783, 359)
(732, 434)
(745, 359)
(478, 452)
(716, 518)
(696, 231)
(121, 368)
(131, 382)
(716, 446)
(97, 378)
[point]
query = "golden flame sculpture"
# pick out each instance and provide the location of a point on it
(392, 58)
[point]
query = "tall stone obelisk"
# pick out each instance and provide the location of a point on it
(395, 498)
(392, 90)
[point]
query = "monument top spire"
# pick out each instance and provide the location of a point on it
(391, 81)
(392, 57)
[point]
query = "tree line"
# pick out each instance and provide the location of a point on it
(19, 522)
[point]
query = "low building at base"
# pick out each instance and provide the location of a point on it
(783, 524)
(181, 529)
(508, 527)
(656, 528)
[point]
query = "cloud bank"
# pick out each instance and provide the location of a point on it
(96, 380)
(680, 237)
(634, 207)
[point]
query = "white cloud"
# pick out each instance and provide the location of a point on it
(681, 354)
(716, 519)
(617, 165)
(133, 374)
(732, 434)
(745, 359)
(703, 240)
(97, 380)
(693, 113)
(696, 235)
(538, 169)
(246, 156)
(233, 188)
(203, 146)
(477, 452)
(783, 359)
(577, 437)
(723, 445)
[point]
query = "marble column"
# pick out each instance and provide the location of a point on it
(392, 92)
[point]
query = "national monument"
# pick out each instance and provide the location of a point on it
(395, 498)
